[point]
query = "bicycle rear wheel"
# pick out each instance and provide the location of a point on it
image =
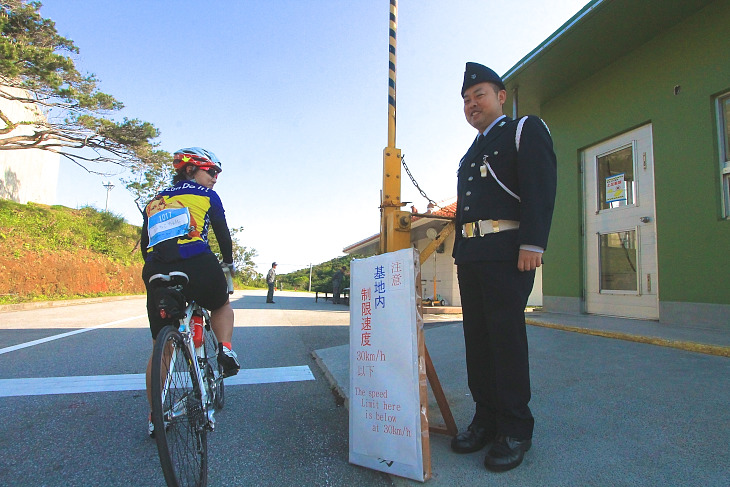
(177, 412)
(211, 354)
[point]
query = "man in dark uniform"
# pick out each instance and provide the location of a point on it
(506, 193)
(271, 282)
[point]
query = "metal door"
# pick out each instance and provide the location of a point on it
(620, 231)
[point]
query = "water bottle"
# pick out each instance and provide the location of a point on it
(197, 324)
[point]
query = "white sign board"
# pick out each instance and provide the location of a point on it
(616, 188)
(385, 406)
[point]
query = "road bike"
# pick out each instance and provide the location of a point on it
(187, 385)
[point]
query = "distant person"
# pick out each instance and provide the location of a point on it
(185, 248)
(337, 284)
(506, 185)
(271, 281)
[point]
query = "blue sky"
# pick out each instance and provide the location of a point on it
(291, 95)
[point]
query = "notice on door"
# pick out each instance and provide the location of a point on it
(616, 188)
(388, 415)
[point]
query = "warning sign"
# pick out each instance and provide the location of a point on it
(386, 413)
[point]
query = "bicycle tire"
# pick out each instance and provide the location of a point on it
(211, 354)
(177, 412)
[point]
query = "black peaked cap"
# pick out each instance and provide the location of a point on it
(476, 73)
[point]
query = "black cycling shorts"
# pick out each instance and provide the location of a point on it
(207, 285)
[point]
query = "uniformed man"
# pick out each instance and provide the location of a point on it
(506, 193)
(271, 282)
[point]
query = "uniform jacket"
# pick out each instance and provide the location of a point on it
(531, 173)
(271, 276)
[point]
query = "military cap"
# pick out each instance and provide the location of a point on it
(476, 73)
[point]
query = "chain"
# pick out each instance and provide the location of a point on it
(413, 180)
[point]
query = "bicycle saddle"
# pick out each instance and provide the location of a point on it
(174, 278)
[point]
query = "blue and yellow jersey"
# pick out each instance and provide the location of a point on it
(186, 211)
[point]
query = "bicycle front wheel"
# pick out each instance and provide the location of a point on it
(177, 412)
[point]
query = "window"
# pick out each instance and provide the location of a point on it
(616, 183)
(618, 256)
(723, 112)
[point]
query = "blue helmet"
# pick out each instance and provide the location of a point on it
(196, 156)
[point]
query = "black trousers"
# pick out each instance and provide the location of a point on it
(270, 294)
(493, 300)
(336, 294)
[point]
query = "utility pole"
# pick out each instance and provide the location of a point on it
(395, 225)
(310, 277)
(109, 186)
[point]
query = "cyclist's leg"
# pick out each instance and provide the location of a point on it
(209, 289)
(221, 320)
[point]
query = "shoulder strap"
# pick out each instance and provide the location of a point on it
(518, 133)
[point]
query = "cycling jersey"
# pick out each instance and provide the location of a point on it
(177, 220)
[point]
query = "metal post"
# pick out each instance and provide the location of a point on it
(395, 225)
(310, 277)
(109, 186)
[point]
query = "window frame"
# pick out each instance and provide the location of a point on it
(723, 126)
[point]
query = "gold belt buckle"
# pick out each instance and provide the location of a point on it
(469, 229)
(495, 226)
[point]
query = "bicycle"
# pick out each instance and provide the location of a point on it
(187, 385)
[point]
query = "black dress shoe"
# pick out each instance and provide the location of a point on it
(473, 439)
(506, 453)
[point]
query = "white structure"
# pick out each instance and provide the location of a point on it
(26, 174)
(439, 266)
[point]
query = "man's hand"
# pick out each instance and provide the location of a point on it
(529, 260)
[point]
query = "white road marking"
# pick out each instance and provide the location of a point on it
(136, 382)
(64, 335)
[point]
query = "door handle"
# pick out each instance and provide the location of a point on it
(645, 219)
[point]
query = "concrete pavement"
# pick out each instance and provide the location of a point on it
(617, 402)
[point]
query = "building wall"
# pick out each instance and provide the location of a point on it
(692, 238)
(447, 281)
(26, 174)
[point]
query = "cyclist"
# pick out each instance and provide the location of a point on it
(175, 238)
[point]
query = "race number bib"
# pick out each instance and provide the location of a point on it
(168, 223)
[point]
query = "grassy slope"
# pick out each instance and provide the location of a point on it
(54, 252)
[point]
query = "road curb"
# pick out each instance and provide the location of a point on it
(62, 303)
(703, 348)
(335, 386)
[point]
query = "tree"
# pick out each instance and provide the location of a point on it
(321, 274)
(150, 177)
(242, 258)
(67, 113)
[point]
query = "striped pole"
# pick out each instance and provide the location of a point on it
(395, 225)
(391, 72)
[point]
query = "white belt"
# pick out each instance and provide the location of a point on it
(484, 227)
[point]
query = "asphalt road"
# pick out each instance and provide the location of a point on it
(277, 433)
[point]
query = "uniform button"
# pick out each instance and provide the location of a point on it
(473, 164)
(468, 193)
(466, 208)
(471, 178)
(496, 152)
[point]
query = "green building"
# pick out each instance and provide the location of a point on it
(637, 97)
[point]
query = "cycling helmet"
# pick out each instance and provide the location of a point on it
(196, 156)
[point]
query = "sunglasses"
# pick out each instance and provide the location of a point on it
(212, 171)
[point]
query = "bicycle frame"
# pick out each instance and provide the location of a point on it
(199, 352)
